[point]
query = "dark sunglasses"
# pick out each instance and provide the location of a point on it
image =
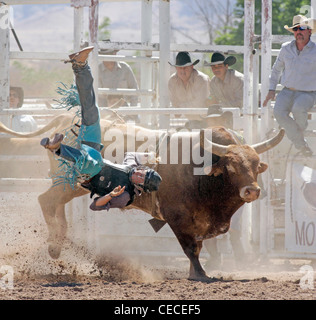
(300, 28)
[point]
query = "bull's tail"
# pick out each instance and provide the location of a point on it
(56, 122)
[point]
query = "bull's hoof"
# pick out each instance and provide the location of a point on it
(54, 250)
(200, 277)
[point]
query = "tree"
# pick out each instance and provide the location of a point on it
(213, 14)
(104, 32)
(282, 14)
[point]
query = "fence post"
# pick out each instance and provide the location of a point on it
(4, 55)
(266, 117)
(248, 68)
(266, 47)
(146, 67)
(93, 32)
(164, 73)
(248, 109)
(78, 27)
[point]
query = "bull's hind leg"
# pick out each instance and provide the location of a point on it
(52, 203)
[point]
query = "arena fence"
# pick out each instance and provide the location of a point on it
(264, 220)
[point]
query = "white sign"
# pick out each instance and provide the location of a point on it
(300, 209)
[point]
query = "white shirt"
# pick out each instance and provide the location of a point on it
(194, 95)
(23, 123)
(229, 93)
(296, 69)
(121, 76)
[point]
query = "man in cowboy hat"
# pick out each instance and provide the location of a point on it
(116, 74)
(296, 67)
(188, 87)
(226, 87)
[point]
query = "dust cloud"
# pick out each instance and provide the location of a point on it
(23, 246)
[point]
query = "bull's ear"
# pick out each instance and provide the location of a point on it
(262, 167)
(213, 170)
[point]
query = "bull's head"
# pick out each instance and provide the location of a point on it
(241, 164)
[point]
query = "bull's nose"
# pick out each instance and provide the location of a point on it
(250, 193)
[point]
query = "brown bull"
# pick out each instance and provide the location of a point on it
(196, 206)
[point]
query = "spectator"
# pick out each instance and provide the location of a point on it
(296, 67)
(114, 75)
(226, 86)
(188, 87)
(20, 122)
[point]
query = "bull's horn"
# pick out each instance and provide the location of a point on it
(212, 147)
(269, 144)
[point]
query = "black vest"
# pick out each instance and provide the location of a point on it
(110, 176)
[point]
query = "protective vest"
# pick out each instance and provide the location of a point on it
(110, 176)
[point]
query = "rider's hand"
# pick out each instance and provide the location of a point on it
(117, 191)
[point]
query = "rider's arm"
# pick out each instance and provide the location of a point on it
(118, 198)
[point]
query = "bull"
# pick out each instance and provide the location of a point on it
(195, 206)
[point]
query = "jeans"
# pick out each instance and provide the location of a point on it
(84, 82)
(299, 103)
(88, 158)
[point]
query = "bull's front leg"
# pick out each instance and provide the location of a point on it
(192, 249)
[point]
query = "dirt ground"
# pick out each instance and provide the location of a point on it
(79, 275)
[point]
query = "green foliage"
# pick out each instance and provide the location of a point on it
(39, 79)
(282, 14)
(103, 32)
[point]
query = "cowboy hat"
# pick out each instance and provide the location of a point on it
(300, 20)
(219, 58)
(217, 117)
(215, 110)
(183, 59)
(108, 51)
